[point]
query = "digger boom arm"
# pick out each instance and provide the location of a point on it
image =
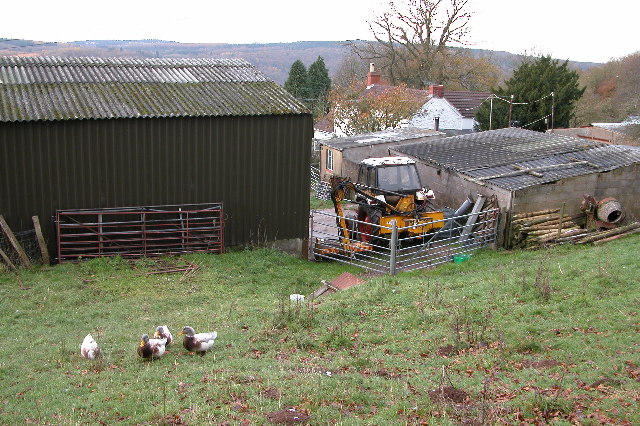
(339, 185)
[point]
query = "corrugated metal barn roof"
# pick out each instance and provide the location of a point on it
(48, 88)
(516, 158)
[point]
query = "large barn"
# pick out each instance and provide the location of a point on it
(527, 171)
(87, 133)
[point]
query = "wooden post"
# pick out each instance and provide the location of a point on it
(561, 217)
(41, 242)
(14, 242)
(7, 260)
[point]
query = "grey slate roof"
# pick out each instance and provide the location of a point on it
(52, 88)
(466, 102)
(503, 157)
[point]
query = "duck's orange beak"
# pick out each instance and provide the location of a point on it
(156, 334)
(181, 333)
(141, 343)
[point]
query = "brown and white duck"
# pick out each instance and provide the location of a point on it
(162, 332)
(151, 348)
(197, 342)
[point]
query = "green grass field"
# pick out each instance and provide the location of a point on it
(527, 336)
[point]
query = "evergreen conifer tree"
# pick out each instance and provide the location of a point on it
(296, 83)
(534, 107)
(318, 81)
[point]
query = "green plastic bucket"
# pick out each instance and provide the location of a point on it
(459, 258)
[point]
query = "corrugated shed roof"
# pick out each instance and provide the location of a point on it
(629, 127)
(49, 88)
(384, 136)
(517, 158)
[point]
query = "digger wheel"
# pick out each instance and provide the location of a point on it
(366, 232)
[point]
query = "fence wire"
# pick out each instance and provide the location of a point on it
(29, 242)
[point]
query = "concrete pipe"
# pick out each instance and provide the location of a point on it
(610, 210)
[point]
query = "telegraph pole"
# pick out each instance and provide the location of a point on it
(490, 110)
(553, 104)
(510, 108)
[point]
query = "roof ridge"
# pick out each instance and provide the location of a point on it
(92, 88)
(115, 61)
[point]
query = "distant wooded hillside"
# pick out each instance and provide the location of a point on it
(273, 59)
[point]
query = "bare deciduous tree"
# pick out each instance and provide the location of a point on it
(413, 35)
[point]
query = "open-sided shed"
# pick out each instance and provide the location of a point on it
(342, 156)
(527, 170)
(111, 132)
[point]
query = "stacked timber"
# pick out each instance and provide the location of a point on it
(551, 227)
(599, 237)
(545, 227)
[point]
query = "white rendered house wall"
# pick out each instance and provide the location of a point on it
(449, 117)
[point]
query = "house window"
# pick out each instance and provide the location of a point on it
(329, 160)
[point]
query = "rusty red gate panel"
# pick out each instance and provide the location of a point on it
(139, 231)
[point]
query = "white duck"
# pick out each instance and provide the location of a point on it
(151, 348)
(89, 348)
(200, 342)
(162, 332)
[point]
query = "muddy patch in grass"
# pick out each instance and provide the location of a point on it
(382, 372)
(447, 351)
(539, 364)
(288, 416)
(449, 394)
(633, 370)
(271, 393)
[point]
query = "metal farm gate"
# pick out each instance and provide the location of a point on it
(139, 231)
(394, 250)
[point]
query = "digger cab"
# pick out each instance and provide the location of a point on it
(390, 174)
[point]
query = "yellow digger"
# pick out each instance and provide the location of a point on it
(388, 189)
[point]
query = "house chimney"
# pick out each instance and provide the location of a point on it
(436, 90)
(373, 77)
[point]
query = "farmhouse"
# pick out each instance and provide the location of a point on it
(449, 110)
(435, 109)
(87, 133)
(527, 171)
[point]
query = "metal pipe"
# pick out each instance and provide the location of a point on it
(471, 220)
(464, 207)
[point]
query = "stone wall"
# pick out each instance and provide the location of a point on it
(622, 184)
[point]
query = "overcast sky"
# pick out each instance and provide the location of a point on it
(583, 30)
